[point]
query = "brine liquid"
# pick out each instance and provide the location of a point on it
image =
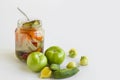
(28, 41)
(22, 55)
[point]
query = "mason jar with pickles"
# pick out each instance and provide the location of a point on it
(29, 37)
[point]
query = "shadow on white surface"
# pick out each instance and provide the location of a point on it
(13, 69)
(10, 59)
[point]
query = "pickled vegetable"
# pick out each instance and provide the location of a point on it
(31, 24)
(29, 38)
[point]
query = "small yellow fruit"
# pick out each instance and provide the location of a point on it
(73, 53)
(84, 61)
(46, 73)
(71, 65)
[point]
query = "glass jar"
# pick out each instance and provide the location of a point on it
(29, 37)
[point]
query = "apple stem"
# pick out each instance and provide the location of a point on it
(23, 14)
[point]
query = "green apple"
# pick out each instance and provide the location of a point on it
(55, 55)
(36, 61)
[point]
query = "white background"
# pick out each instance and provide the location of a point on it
(90, 26)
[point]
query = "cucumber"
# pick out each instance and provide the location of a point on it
(65, 73)
(31, 24)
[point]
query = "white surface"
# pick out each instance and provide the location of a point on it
(90, 26)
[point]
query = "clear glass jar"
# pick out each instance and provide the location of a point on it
(29, 37)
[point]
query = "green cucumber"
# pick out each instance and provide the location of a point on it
(31, 24)
(65, 73)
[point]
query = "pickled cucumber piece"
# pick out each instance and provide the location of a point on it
(31, 24)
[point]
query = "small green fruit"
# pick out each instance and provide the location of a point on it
(72, 53)
(54, 67)
(84, 61)
(71, 65)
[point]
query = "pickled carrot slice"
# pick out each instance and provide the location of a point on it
(34, 36)
(34, 43)
(31, 38)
